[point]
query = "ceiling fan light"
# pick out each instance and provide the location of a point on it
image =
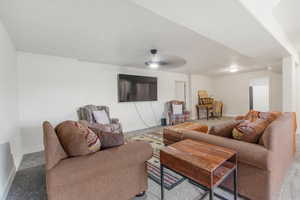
(153, 65)
(233, 68)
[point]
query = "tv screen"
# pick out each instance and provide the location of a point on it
(137, 88)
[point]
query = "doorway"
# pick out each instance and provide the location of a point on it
(259, 95)
(180, 90)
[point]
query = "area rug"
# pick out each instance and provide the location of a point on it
(171, 179)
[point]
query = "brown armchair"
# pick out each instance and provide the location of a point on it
(105, 174)
(86, 113)
(177, 118)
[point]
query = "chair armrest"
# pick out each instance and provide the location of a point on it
(248, 153)
(103, 162)
(115, 121)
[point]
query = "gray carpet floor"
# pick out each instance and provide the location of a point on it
(29, 182)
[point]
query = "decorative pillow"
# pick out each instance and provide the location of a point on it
(77, 139)
(253, 115)
(108, 139)
(224, 129)
(270, 116)
(101, 117)
(249, 131)
(177, 109)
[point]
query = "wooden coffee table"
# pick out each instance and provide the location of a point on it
(205, 164)
(172, 134)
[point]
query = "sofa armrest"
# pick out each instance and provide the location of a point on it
(248, 153)
(100, 163)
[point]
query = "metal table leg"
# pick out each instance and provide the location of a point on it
(235, 184)
(162, 181)
(211, 194)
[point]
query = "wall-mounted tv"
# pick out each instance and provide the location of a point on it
(137, 88)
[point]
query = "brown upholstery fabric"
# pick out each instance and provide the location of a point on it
(54, 152)
(109, 172)
(224, 129)
(250, 131)
(76, 139)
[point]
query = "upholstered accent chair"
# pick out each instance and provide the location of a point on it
(175, 117)
(86, 113)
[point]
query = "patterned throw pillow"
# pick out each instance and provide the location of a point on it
(249, 131)
(253, 115)
(77, 139)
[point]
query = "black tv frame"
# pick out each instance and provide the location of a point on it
(155, 99)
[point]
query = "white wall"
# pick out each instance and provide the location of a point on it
(276, 92)
(52, 88)
(199, 82)
(298, 96)
(8, 110)
(233, 90)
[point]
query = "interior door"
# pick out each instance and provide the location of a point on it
(180, 90)
(261, 97)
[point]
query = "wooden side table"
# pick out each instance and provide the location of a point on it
(205, 164)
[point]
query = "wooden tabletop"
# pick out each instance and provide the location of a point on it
(202, 162)
(189, 126)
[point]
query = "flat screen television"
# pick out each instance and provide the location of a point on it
(136, 88)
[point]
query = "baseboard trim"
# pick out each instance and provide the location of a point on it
(18, 160)
(11, 177)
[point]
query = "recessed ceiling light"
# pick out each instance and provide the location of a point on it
(233, 68)
(269, 68)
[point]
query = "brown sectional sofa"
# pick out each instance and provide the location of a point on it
(261, 167)
(113, 174)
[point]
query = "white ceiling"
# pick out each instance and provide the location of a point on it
(121, 32)
(287, 13)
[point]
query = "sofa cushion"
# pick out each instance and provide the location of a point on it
(224, 129)
(250, 131)
(77, 139)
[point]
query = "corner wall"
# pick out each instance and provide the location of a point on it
(9, 143)
(233, 90)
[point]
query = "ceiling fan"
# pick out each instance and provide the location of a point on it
(157, 60)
